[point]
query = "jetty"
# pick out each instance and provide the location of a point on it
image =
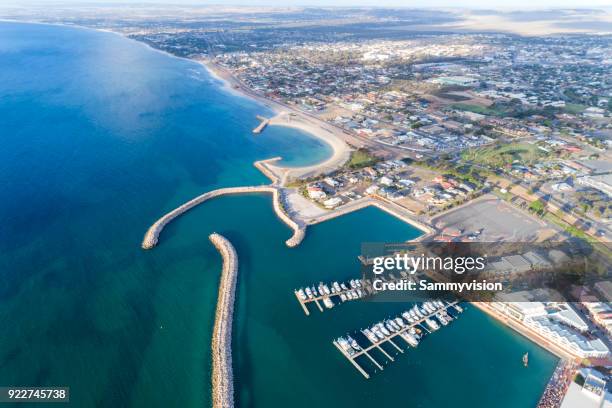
(262, 124)
(367, 346)
(222, 373)
(151, 237)
(327, 294)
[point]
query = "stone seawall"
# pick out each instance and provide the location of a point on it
(151, 237)
(222, 373)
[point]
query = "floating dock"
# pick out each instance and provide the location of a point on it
(335, 292)
(366, 346)
(262, 125)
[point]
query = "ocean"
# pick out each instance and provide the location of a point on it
(101, 135)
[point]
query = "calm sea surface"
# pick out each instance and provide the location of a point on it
(99, 136)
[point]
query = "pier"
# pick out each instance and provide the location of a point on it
(262, 125)
(367, 345)
(222, 373)
(342, 292)
(151, 237)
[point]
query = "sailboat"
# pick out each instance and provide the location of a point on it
(526, 359)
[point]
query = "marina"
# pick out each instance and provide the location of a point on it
(410, 327)
(327, 294)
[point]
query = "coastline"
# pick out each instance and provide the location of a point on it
(287, 116)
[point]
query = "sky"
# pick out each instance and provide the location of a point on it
(478, 4)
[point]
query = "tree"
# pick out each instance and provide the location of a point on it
(537, 207)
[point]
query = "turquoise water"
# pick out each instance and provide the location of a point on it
(99, 137)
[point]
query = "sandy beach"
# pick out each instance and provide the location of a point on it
(290, 117)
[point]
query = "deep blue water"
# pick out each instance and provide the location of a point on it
(99, 136)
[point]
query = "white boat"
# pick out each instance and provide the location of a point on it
(314, 292)
(378, 333)
(336, 286)
(400, 322)
(442, 319)
(352, 283)
(410, 339)
(390, 326)
(328, 302)
(326, 289)
(343, 297)
(406, 315)
(358, 283)
(309, 293)
(431, 324)
(345, 345)
(371, 336)
(458, 308)
(383, 329)
(343, 286)
(301, 294)
(353, 343)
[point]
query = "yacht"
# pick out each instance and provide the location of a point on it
(406, 315)
(345, 345)
(343, 297)
(383, 329)
(400, 322)
(328, 302)
(358, 283)
(336, 286)
(309, 293)
(371, 336)
(410, 339)
(314, 292)
(458, 308)
(390, 326)
(431, 324)
(378, 333)
(326, 289)
(301, 294)
(343, 286)
(442, 319)
(352, 283)
(353, 343)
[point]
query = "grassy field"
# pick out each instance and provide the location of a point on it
(501, 155)
(477, 109)
(360, 159)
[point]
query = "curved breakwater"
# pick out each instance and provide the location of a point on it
(151, 237)
(222, 373)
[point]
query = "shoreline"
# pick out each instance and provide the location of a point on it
(290, 117)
